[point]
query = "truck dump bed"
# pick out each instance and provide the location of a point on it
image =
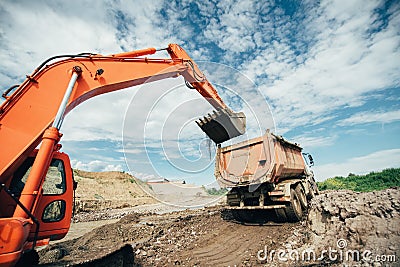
(265, 159)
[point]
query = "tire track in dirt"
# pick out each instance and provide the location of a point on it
(218, 255)
(187, 238)
(230, 244)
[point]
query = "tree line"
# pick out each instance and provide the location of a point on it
(372, 181)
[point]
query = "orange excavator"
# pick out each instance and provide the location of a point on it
(36, 185)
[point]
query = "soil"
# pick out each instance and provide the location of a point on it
(109, 190)
(199, 237)
(161, 235)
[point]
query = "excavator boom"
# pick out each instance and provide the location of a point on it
(33, 213)
(32, 107)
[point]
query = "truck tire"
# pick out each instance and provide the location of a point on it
(280, 215)
(293, 210)
(313, 192)
(302, 196)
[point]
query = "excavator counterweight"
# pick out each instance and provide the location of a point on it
(223, 125)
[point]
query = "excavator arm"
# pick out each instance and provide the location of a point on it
(33, 115)
(223, 124)
(32, 107)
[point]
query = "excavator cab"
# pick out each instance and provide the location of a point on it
(223, 125)
(54, 209)
(49, 220)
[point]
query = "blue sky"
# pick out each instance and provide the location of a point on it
(325, 74)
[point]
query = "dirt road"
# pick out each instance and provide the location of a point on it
(199, 237)
(342, 221)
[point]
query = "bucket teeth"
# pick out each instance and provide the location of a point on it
(223, 125)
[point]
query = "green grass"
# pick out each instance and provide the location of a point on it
(216, 192)
(363, 183)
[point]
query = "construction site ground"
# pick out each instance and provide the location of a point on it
(156, 234)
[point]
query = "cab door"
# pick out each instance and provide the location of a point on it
(54, 209)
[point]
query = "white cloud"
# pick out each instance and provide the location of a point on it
(232, 28)
(100, 118)
(34, 31)
(323, 58)
(95, 166)
(376, 161)
(308, 141)
(371, 117)
(145, 176)
(343, 63)
(132, 151)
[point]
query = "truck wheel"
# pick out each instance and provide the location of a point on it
(280, 215)
(302, 196)
(316, 191)
(313, 192)
(293, 210)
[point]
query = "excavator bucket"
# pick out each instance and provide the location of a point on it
(223, 125)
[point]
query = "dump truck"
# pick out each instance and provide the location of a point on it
(36, 180)
(266, 173)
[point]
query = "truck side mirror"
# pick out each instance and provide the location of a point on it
(311, 160)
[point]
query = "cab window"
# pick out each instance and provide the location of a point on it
(55, 179)
(54, 211)
(54, 184)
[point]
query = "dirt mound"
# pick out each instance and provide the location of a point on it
(114, 175)
(359, 222)
(188, 238)
(97, 244)
(109, 190)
